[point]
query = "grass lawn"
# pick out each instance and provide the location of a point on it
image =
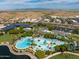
(9, 37)
(65, 56)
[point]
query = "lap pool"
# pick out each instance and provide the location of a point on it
(40, 43)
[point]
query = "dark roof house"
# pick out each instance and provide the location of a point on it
(12, 26)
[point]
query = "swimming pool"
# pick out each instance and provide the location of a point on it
(41, 43)
(23, 43)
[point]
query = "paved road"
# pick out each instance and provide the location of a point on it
(77, 54)
(32, 56)
(23, 53)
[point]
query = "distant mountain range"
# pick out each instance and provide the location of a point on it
(41, 9)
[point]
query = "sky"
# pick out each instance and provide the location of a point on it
(45, 4)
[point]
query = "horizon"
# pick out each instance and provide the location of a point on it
(39, 4)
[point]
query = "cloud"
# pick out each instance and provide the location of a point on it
(7, 4)
(12, 1)
(36, 1)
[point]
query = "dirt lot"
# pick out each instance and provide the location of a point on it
(36, 14)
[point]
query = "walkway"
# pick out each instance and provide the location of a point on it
(77, 54)
(15, 53)
(32, 56)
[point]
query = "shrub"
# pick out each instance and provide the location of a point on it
(1, 33)
(48, 35)
(48, 52)
(29, 33)
(40, 54)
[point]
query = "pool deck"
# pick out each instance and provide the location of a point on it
(31, 55)
(18, 53)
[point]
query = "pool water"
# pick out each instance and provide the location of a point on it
(41, 43)
(23, 43)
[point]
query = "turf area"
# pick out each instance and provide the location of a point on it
(65, 56)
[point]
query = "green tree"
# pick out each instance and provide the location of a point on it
(62, 47)
(28, 33)
(48, 35)
(40, 54)
(14, 31)
(1, 33)
(48, 52)
(76, 31)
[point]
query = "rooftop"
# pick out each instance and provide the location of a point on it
(12, 26)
